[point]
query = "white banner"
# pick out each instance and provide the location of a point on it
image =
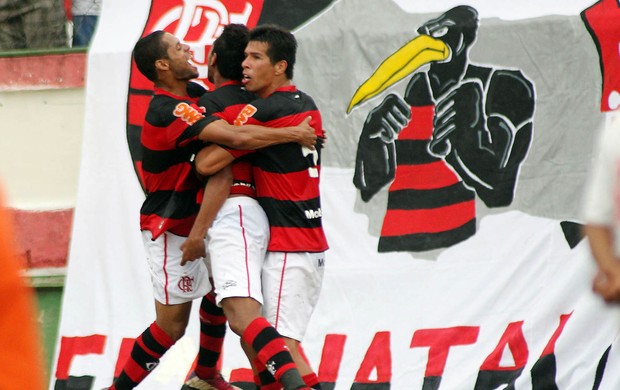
(507, 301)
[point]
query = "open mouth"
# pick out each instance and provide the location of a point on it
(190, 58)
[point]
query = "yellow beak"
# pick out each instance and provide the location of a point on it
(417, 52)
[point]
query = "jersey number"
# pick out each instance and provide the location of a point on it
(313, 159)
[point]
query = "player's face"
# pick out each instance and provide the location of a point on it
(179, 57)
(259, 74)
(211, 67)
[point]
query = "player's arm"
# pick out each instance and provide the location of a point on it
(248, 137)
(211, 159)
(600, 239)
(216, 191)
(607, 281)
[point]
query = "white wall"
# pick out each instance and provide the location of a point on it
(40, 144)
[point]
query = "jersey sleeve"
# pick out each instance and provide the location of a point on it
(193, 130)
(599, 195)
(173, 123)
(211, 105)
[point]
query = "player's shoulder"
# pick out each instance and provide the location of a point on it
(293, 97)
(161, 108)
(221, 98)
(208, 98)
(195, 90)
(304, 96)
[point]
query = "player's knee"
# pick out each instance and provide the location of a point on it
(240, 313)
(239, 322)
(180, 332)
(174, 330)
(292, 344)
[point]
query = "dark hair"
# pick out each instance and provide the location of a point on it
(148, 50)
(230, 47)
(282, 45)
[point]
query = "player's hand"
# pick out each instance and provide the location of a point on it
(606, 283)
(305, 134)
(193, 248)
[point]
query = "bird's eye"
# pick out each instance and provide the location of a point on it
(440, 32)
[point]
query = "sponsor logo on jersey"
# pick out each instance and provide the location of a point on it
(186, 284)
(245, 114)
(229, 284)
(314, 214)
(187, 113)
(271, 367)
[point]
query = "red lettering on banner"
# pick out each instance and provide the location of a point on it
(74, 346)
(440, 341)
(379, 356)
(241, 375)
(197, 23)
(331, 357)
(514, 339)
(123, 355)
(377, 360)
(550, 348)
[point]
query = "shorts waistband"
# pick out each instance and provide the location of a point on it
(242, 200)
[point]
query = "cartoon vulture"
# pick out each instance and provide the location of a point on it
(460, 130)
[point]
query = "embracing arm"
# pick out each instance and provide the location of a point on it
(216, 191)
(256, 137)
(212, 159)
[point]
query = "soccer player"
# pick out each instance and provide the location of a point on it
(287, 187)
(602, 211)
(174, 126)
(238, 238)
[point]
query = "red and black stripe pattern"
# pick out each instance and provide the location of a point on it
(148, 348)
(212, 332)
(270, 348)
(429, 207)
(287, 176)
(169, 141)
(226, 102)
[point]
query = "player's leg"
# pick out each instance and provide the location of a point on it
(238, 240)
(262, 377)
(212, 331)
(174, 289)
(153, 343)
(307, 373)
(291, 288)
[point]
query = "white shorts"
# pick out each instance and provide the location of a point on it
(236, 246)
(173, 283)
(291, 288)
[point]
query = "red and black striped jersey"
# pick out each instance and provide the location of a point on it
(226, 102)
(429, 206)
(169, 141)
(287, 175)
